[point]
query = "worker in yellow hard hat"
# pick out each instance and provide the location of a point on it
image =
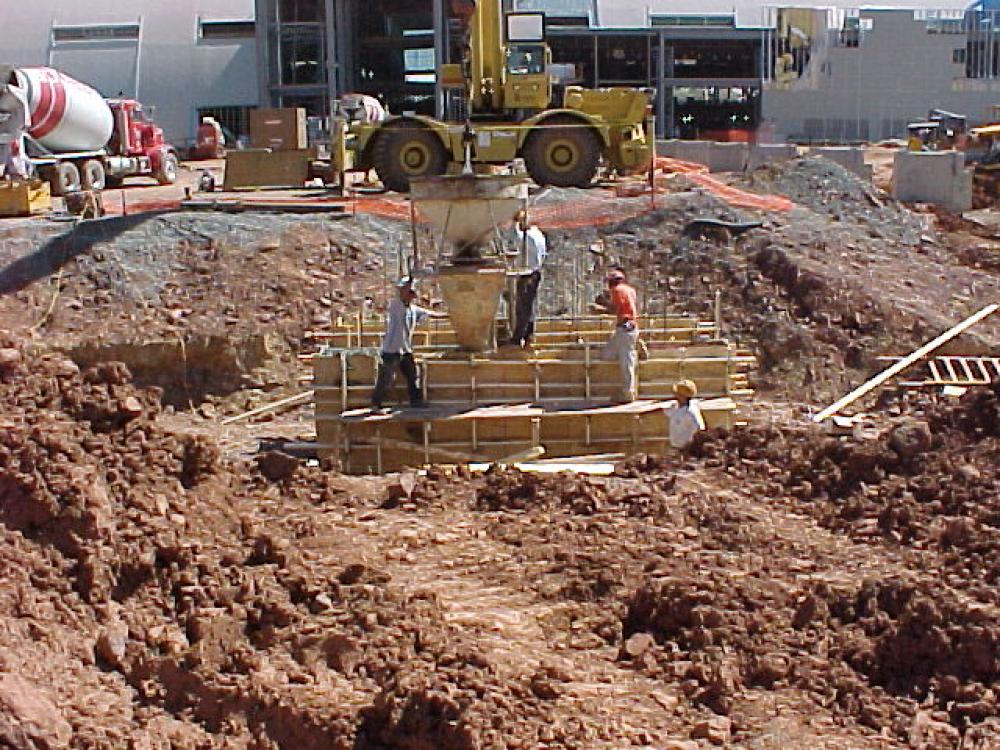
(685, 419)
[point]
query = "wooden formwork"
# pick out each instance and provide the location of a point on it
(359, 333)
(368, 443)
(344, 379)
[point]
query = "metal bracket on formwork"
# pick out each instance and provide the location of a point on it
(718, 313)
(586, 430)
(343, 380)
(345, 445)
(423, 379)
(536, 432)
(538, 382)
(586, 371)
(636, 420)
(427, 441)
(378, 450)
(475, 436)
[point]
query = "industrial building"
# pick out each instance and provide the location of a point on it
(184, 58)
(814, 74)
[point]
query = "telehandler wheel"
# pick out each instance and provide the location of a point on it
(562, 152)
(407, 150)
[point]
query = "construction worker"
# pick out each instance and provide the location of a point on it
(622, 344)
(397, 345)
(532, 246)
(16, 165)
(685, 419)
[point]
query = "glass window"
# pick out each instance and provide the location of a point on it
(301, 57)
(300, 11)
(124, 31)
(227, 29)
(623, 59)
(526, 59)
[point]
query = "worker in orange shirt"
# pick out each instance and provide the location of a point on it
(622, 344)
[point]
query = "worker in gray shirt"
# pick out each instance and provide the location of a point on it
(397, 345)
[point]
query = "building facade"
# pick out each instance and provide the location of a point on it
(808, 73)
(863, 75)
(184, 58)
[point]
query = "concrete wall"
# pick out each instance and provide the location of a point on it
(852, 158)
(170, 68)
(726, 157)
(937, 177)
(770, 153)
(871, 92)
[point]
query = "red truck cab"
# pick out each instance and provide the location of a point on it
(136, 136)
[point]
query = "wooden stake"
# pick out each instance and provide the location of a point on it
(908, 360)
(298, 398)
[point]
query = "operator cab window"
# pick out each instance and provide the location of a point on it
(526, 59)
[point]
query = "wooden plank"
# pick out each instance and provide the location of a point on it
(285, 402)
(907, 361)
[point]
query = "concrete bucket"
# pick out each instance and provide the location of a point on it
(465, 209)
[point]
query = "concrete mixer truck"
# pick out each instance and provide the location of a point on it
(76, 139)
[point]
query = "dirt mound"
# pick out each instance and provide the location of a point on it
(826, 187)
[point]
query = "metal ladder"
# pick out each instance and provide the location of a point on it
(959, 371)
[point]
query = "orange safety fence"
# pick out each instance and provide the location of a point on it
(627, 199)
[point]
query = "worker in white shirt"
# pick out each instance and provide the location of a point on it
(685, 419)
(16, 165)
(532, 246)
(397, 345)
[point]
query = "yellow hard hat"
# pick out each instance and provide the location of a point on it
(686, 388)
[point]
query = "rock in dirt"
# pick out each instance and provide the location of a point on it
(637, 645)
(928, 733)
(29, 720)
(681, 745)
(111, 645)
(9, 358)
(277, 466)
(716, 730)
(911, 439)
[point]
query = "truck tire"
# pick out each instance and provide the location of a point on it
(65, 178)
(407, 150)
(167, 173)
(562, 151)
(93, 175)
(113, 181)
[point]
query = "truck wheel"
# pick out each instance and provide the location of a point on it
(167, 173)
(402, 152)
(65, 179)
(93, 175)
(562, 152)
(113, 181)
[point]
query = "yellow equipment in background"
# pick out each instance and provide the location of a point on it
(24, 197)
(499, 109)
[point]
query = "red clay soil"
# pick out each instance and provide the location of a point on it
(159, 593)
